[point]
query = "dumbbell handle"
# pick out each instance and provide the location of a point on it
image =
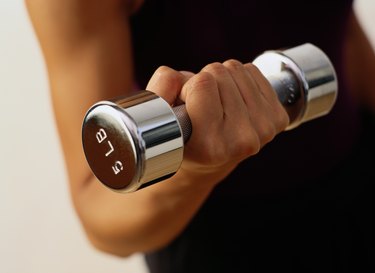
(132, 141)
(284, 83)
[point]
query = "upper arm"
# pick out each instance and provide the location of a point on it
(360, 63)
(87, 51)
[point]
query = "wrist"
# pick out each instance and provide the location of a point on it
(201, 177)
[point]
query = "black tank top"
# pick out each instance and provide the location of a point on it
(187, 35)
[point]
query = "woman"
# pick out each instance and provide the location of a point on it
(294, 204)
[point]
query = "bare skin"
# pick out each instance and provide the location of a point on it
(87, 49)
(360, 64)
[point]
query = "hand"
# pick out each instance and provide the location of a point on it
(233, 110)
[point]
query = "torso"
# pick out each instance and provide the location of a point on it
(187, 35)
(276, 209)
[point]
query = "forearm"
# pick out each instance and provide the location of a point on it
(87, 50)
(88, 57)
(144, 220)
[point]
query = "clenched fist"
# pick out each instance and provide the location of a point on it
(233, 110)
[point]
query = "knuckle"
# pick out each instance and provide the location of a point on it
(282, 119)
(269, 133)
(202, 80)
(249, 66)
(163, 69)
(250, 145)
(233, 64)
(266, 131)
(253, 69)
(171, 78)
(167, 72)
(166, 82)
(247, 144)
(215, 69)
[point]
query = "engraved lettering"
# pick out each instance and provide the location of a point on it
(101, 135)
(110, 149)
(118, 167)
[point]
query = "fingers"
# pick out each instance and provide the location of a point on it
(233, 109)
(249, 107)
(247, 86)
(200, 94)
(167, 83)
(231, 100)
(276, 110)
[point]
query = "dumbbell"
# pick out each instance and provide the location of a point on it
(134, 141)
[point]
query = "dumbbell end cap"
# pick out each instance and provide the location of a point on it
(132, 141)
(316, 76)
(109, 147)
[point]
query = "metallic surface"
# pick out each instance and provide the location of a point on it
(132, 141)
(135, 140)
(314, 75)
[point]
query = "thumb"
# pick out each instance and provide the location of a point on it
(167, 83)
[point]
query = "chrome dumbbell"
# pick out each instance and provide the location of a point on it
(137, 140)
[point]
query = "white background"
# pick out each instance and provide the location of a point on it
(39, 230)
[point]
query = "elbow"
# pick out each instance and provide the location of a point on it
(124, 244)
(117, 232)
(107, 245)
(101, 233)
(108, 236)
